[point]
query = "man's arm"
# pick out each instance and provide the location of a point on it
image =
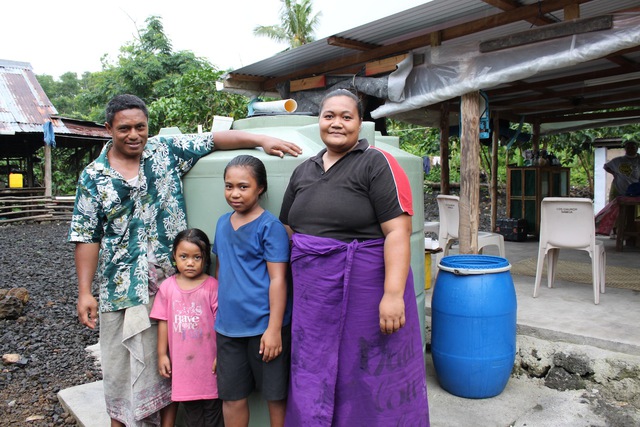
(234, 139)
(86, 257)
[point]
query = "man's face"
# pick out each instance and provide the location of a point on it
(631, 148)
(129, 131)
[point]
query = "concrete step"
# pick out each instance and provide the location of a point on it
(86, 404)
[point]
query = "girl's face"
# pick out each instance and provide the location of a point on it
(339, 123)
(189, 259)
(241, 189)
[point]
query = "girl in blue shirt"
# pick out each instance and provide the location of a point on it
(253, 333)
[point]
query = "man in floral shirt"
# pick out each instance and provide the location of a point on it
(129, 207)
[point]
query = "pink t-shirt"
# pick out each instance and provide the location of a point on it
(190, 317)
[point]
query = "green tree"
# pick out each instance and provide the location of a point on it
(178, 87)
(297, 24)
(190, 101)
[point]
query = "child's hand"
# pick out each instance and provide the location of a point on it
(214, 367)
(391, 313)
(164, 366)
(271, 344)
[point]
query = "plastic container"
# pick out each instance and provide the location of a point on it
(16, 180)
(473, 330)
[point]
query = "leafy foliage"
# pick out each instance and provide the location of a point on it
(179, 89)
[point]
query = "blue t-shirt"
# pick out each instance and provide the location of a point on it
(243, 291)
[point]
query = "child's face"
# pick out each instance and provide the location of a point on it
(189, 259)
(241, 189)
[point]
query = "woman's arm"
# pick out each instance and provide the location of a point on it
(397, 257)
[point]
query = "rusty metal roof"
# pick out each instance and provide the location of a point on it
(24, 107)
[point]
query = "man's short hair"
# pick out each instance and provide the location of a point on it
(124, 102)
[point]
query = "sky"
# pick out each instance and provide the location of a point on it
(73, 35)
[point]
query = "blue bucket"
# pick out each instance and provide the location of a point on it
(473, 325)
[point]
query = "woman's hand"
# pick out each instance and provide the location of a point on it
(391, 313)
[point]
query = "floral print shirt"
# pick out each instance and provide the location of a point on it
(129, 220)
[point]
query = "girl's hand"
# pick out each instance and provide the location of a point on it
(270, 344)
(215, 366)
(164, 366)
(391, 313)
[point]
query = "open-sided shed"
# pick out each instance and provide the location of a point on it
(28, 119)
(560, 65)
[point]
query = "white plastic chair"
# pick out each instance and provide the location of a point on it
(568, 223)
(432, 227)
(449, 210)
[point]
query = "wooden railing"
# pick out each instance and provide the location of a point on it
(30, 204)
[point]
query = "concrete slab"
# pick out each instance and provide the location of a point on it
(86, 403)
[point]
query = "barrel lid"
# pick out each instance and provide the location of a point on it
(474, 264)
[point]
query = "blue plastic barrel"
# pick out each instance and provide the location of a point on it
(473, 325)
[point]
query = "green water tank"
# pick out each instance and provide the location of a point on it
(204, 186)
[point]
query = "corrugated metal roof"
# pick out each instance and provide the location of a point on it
(24, 106)
(419, 20)
(568, 90)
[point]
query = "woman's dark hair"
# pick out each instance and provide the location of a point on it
(347, 93)
(198, 238)
(124, 102)
(256, 167)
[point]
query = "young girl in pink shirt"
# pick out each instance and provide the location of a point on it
(185, 307)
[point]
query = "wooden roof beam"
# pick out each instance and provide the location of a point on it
(571, 93)
(540, 85)
(590, 116)
(512, 4)
(533, 112)
(351, 44)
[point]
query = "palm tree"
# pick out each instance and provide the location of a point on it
(297, 24)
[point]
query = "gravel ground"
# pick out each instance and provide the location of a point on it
(48, 336)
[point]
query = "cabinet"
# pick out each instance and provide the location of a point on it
(527, 186)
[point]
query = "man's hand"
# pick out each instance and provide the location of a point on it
(279, 147)
(87, 310)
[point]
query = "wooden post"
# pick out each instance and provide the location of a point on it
(469, 173)
(444, 148)
(535, 136)
(47, 170)
(494, 170)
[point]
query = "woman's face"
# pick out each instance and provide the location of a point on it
(339, 123)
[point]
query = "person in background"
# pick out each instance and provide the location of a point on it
(185, 308)
(129, 207)
(253, 324)
(356, 351)
(625, 169)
